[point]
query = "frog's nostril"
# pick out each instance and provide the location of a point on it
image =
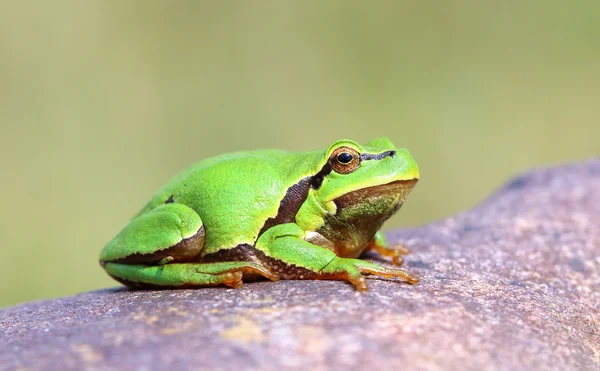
(392, 153)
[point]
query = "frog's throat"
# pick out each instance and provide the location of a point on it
(360, 214)
(399, 188)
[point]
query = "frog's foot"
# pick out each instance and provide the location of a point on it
(379, 243)
(395, 252)
(182, 275)
(353, 269)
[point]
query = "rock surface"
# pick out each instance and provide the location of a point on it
(512, 285)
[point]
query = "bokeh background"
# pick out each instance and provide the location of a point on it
(101, 102)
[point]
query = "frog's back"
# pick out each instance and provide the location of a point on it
(234, 194)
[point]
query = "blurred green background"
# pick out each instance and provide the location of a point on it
(101, 102)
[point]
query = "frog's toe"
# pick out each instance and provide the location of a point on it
(397, 260)
(395, 252)
(361, 284)
(345, 273)
(232, 279)
(166, 260)
(377, 270)
(401, 249)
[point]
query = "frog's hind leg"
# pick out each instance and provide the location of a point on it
(184, 275)
(162, 248)
(169, 233)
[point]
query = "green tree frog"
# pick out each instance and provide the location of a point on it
(268, 213)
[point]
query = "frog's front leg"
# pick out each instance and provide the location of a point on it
(161, 248)
(379, 243)
(287, 254)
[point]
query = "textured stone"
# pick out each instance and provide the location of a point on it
(512, 285)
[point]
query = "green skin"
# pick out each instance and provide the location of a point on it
(268, 213)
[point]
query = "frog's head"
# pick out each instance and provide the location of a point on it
(358, 188)
(353, 173)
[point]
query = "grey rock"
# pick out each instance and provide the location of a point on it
(512, 285)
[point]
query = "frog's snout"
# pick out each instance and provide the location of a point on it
(405, 164)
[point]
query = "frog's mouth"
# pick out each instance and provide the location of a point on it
(380, 196)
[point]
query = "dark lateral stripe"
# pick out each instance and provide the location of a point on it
(377, 156)
(290, 204)
(317, 179)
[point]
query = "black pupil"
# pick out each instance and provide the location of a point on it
(345, 157)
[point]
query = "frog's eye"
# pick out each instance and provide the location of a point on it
(345, 157)
(345, 160)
